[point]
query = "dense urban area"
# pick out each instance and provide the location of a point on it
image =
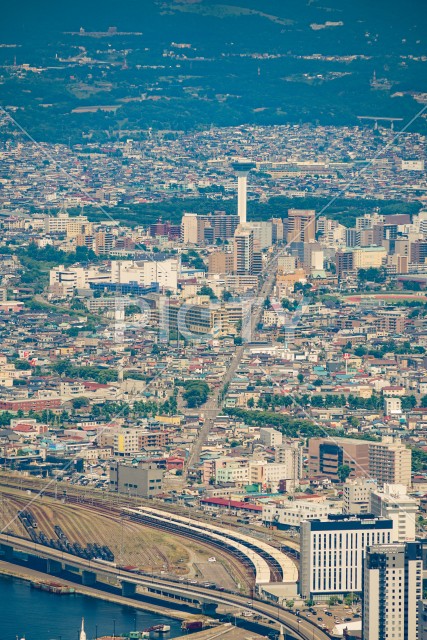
(213, 338)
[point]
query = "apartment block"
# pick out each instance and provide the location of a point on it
(392, 589)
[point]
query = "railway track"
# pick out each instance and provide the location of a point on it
(111, 506)
(96, 505)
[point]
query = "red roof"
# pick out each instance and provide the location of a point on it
(24, 428)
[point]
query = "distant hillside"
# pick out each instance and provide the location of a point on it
(181, 64)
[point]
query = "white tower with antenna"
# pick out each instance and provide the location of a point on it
(242, 168)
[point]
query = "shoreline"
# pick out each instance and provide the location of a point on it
(10, 570)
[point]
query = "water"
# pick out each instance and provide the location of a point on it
(44, 616)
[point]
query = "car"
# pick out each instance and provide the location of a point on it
(308, 615)
(328, 613)
(356, 615)
(347, 619)
(247, 614)
(249, 604)
(181, 578)
(320, 619)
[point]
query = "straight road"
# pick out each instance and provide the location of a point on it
(213, 406)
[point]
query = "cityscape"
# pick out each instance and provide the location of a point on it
(213, 335)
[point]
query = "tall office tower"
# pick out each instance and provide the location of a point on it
(332, 552)
(352, 238)
(224, 224)
(189, 228)
(390, 461)
(392, 590)
(193, 228)
(242, 168)
(300, 225)
(243, 252)
(394, 503)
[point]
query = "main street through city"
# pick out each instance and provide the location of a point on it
(213, 406)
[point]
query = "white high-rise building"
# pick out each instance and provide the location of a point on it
(332, 552)
(392, 591)
(243, 251)
(190, 228)
(290, 455)
(357, 495)
(390, 461)
(394, 503)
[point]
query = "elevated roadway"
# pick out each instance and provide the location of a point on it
(90, 569)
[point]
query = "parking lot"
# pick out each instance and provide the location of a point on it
(326, 617)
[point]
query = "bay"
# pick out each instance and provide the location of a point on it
(37, 615)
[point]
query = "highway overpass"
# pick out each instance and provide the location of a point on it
(208, 599)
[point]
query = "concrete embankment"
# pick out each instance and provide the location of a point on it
(24, 573)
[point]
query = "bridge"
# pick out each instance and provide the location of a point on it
(207, 599)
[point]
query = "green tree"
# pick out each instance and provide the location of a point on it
(207, 291)
(343, 472)
(80, 402)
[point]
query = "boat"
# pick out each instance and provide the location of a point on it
(159, 628)
(53, 587)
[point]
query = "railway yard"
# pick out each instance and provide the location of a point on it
(156, 540)
(98, 521)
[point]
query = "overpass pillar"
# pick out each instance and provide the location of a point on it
(209, 608)
(128, 589)
(88, 578)
(54, 566)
